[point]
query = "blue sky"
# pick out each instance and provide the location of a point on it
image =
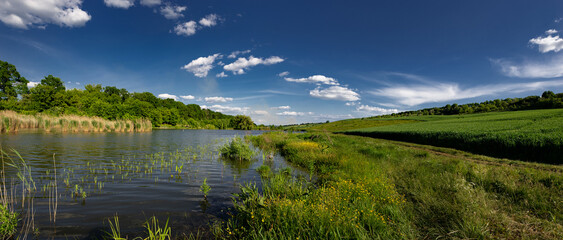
(284, 62)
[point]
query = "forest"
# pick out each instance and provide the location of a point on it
(111, 103)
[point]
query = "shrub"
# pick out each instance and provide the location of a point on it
(237, 149)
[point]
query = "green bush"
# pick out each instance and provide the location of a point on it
(9, 222)
(237, 149)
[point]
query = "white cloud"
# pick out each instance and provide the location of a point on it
(375, 110)
(236, 53)
(201, 66)
(314, 79)
(151, 3)
(550, 68)
(350, 104)
(441, 92)
(173, 12)
(551, 31)
(335, 93)
(120, 3)
(242, 64)
(221, 75)
(548, 43)
(209, 20)
(261, 112)
(186, 29)
(38, 13)
(218, 99)
(187, 97)
(227, 109)
(287, 113)
(284, 107)
(166, 96)
(283, 74)
(31, 84)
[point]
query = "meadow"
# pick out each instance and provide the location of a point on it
(533, 135)
(366, 188)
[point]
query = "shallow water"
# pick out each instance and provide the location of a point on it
(132, 175)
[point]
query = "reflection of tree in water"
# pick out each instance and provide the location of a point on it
(204, 204)
(237, 166)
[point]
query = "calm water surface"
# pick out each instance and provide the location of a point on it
(134, 176)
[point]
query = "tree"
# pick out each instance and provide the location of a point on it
(242, 122)
(11, 83)
(49, 93)
(548, 94)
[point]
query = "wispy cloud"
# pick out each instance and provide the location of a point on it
(261, 112)
(335, 93)
(218, 99)
(441, 92)
(371, 110)
(242, 64)
(227, 109)
(549, 68)
(283, 74)
(151, 3)
(221, 75)
(314, 79)
(282, 107)
(236, 53)
(288, 113)
(278, 92)
(201, 66)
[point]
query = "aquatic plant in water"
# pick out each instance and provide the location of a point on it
(237, 149)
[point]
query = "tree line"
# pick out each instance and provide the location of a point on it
(51, 97)
(547, 100)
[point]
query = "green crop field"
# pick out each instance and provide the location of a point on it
(534, 135)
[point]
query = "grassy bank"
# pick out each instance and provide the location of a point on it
(535, 135)
(378, 189)
(11, 121)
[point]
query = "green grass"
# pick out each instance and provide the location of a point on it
(378, 189)
(8, 222)
(535, 135)
(351, 124)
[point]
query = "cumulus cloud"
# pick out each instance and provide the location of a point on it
(375, 110)
(236, 53)
(335, 93)
(168, 96)
(173, 12)
(551, 31)
(441, 92)
(186, 29)
(125, 4)
(287, 113)
(283, 74)
(187, 97)
(221, 75)
(151, 3)
(549, 68)
(548, 43)
(226, 109)
(314, 79)
(242, 64)
(209, 20)
(218, 99)
(31, 84)
(38, 13)
(201, 66)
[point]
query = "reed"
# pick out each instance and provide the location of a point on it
(11, 121)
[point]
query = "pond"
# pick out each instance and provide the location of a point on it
(132, 175)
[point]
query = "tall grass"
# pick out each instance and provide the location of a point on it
(11, 121)
(377, 189)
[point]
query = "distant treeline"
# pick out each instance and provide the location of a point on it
(111, 103)
(548, 100)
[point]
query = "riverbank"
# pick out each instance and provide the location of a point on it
(11, 121)
(381, 189)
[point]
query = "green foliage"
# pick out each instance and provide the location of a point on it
(237, 149)
(242, 122)
(204, 188)
(11, 83)
(264, 171)
(534, 135)
(153, 230)
(111, 103)
(8, 222)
